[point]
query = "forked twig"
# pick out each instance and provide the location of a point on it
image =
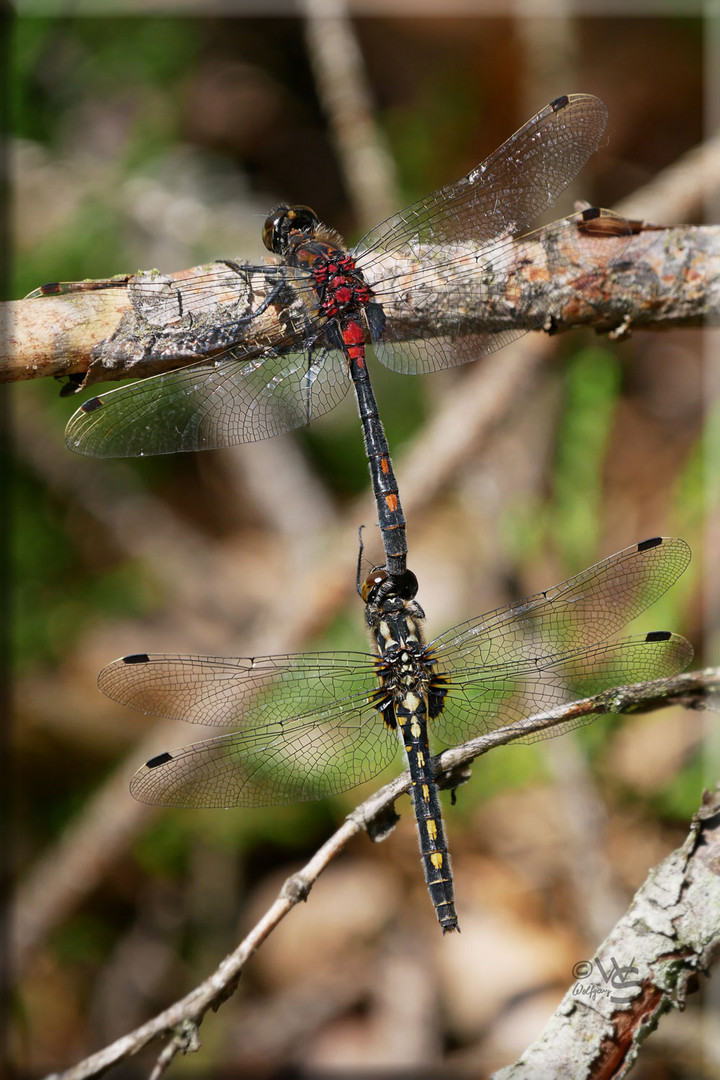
(182, 1020)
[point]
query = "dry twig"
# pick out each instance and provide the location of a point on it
(342, 85)
(182, 1020)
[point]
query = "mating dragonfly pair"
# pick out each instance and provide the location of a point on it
(312, 725)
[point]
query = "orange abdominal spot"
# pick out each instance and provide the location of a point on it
(391, 502)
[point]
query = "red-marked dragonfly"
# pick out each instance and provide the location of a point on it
(316, 724)
(429, 288)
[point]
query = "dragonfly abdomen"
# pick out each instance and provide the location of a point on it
(347, 301)
(384, 484)
(410, 713)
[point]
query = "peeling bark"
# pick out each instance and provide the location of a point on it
(108, 330)
(646, 966)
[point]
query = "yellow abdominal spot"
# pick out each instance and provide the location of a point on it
(415, 728)
(437, 860)
(431, 829)
(420, 759)
(425, 793)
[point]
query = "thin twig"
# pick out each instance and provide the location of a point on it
(342, 85)
(692, 689)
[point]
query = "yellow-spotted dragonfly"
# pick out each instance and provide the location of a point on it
(431, 287)
(316, 724)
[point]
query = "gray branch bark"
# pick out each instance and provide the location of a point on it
(666, 277)
(647, 966)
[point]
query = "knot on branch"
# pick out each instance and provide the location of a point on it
(451, 777)
(296, 888)
(381, 824)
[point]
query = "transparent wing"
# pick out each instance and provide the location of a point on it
(582, 611)
(448, 307)
(309, 726)
(482, 699)
(285, 762)
(205, 406)
(241, 692)
(62, 288)
(479, 216)
(504, 194)
(199, 311)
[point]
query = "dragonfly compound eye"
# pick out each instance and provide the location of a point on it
(371, 582)
(282, 221)
(406, 585)
(271, 233)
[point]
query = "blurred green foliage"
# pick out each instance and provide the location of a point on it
(591, 390)
(59, 65)
(54, 597)
(137, 69)
(432, 131)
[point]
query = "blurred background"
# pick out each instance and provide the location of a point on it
(162, 142)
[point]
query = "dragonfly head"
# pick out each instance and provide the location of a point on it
(285, 220)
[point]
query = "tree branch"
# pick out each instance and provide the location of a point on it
(646, 966)
(181, 1020)
(109, 330)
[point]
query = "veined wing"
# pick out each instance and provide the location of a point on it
(309, 726)
(206, 406)
(503, 195)
(63, 288)
(286, 762)
(451, 306)
(243, 692)
(483, 698)
(227, 303)
(582, 611)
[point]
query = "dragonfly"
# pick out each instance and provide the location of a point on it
(312, 725)
(423, 288)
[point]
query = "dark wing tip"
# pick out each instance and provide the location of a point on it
(159, 759)
(92, 404)
(559, 103)
(136, 658)
(645, 545)
(658, 635)
(591, 214)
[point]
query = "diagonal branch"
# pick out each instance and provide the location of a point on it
(180, 1022)
(647, 966)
